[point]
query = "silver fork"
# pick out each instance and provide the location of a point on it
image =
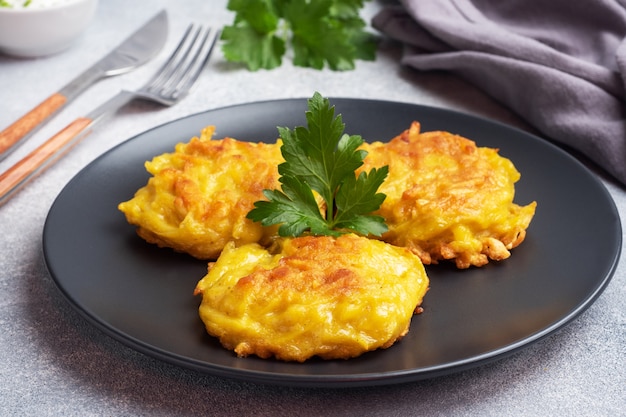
(167, 87)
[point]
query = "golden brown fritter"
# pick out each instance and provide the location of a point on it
(317, 296)
(448, 199)
(198, 196)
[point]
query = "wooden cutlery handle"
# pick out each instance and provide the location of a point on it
(41, 158)
(12, 134)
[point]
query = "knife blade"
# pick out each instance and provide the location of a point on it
(136, 50)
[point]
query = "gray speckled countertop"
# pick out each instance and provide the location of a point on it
(53, 362)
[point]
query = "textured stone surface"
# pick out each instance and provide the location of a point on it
(53, 362)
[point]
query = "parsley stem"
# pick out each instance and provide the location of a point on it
(330, 210)
(284, 29)
(321, 159)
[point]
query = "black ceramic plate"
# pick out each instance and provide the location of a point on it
(142, 295)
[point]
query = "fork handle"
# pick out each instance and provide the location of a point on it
(19, 130)
(41, 158)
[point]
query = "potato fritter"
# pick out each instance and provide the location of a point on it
(448, 199)
(317, 296)
(198, 196)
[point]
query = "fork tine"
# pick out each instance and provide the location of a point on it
(164, 73)
(199, 61)
(186, 63)
(181, 66)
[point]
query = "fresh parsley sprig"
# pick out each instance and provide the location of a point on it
(321, 158)
(320, 32)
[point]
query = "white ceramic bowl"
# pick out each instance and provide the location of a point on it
(34, 31)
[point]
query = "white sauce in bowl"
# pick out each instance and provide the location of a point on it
(31, 4)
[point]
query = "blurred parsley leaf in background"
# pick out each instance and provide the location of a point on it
(320, 33)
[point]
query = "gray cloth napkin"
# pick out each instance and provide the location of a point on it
(559, 64)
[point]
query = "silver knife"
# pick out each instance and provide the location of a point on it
(139, 48)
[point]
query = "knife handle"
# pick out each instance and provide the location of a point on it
(27, 123)
(41, 158)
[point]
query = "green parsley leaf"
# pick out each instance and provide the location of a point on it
(320, 32)
(321, 158)
(294, 208)
(247, 45)
(317, 38)
(358, 196)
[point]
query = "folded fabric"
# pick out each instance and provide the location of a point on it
(559, 64)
